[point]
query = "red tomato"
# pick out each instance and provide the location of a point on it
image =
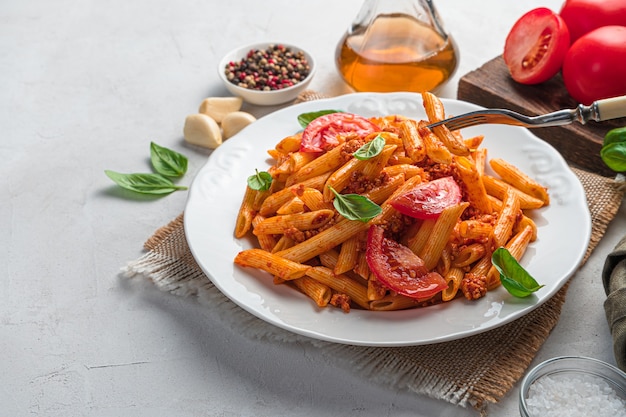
(427, 200)
(536, 46)
(321, 134)
(398, 268)
(583, 16)
(595, 66)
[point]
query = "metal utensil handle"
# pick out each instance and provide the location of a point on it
(611, 108)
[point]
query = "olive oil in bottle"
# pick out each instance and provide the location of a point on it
(396, 52)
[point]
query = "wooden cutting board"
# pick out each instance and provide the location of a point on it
(491, 86)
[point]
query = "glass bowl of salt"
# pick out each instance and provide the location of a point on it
(573, 386)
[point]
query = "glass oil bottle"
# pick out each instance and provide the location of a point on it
(397, 45)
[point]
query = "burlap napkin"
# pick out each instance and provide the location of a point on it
(473, 371)
(614, 279)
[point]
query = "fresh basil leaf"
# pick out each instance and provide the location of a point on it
(370, 149)
(614, 156)
(616, 135)
(514, 278)
(355, 206)
(261, 181)
(305, 118)
(167, 162)
(144, 183)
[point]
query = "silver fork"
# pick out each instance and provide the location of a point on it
(600, 110)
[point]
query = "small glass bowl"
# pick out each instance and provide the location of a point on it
(572, 381)
(259, 97)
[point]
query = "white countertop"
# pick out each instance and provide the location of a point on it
(85, 87)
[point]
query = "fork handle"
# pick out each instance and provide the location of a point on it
(610, 108)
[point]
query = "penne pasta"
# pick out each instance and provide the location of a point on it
(383, 192)
(301, 221)
(246, 213)
(407, 170)
(472, 180)
(269, 262)
(435, 148)
(291, 163)
(514, 176)
(412, 141)
(283, 243)
(374, 166)
(324, 241)
(375, 290)
(498, 188)
(474, 229)
(370, 169)
(293, 206)
(445, 260)
(313, 199)
(474, 142)
(524, 222)
(289, 144)
(468, 255)
(340, 179)
(517, 246)
(418, 241)
(455, 145)
(361, 268)
(348, 255)
(340, 283)
(266, 242)
(277, 199)
(507, 217)
(393, 302)
(453, 279)
(479, 156)
(326, 163)
(442, 228)
(318, 292)
(436, 113)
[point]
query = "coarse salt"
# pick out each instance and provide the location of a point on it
(574, 395)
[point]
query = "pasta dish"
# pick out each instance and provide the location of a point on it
(383, 213)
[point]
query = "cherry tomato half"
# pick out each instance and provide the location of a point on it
(428, 199)
(321, 134)
(536, 46)
(398, 268)
(583, 16)
(595, 66)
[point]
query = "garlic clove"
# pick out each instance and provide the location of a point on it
(218, 107)
(202, 130)
(234, 122)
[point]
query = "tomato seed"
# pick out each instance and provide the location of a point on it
(538, 51)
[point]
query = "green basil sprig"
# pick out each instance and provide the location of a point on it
(260, 181)
(305, 118)
(613, 150)
(355, 206)
(144, 183)
(167, 162)
(514, 278)
(370, 149)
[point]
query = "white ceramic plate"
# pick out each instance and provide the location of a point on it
(564, 229)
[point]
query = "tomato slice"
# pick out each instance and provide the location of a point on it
(321, 133)
(428, 199)
(536, 46)
(398, 268)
